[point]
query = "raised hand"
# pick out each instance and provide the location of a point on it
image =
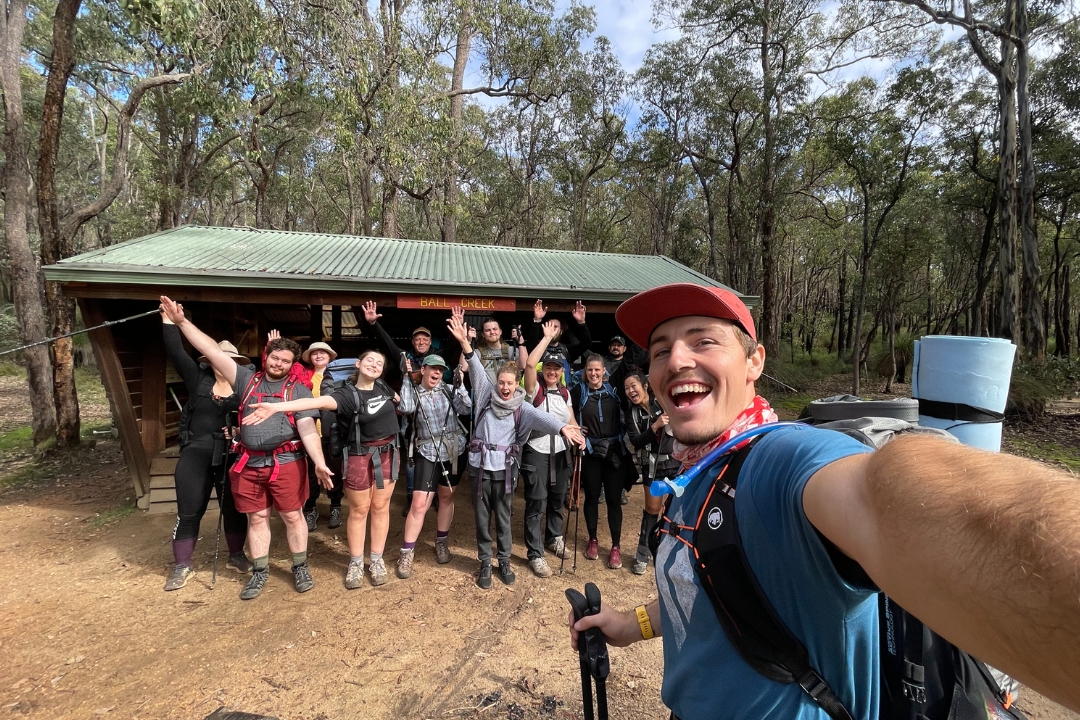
(258, 412)
(457, 326)
(371, 313)
(172, 310)
(539, 310)
(408, 365)
(273, 335)
(551, 329)
(472, 333)
(579, 313)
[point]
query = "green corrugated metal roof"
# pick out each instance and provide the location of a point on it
(244, 257)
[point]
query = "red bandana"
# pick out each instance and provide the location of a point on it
(756, 413)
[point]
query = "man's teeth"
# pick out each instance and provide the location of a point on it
(689, 388)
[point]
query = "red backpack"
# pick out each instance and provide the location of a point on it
(285, 395)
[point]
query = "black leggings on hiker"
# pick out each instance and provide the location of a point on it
(600, 476)
(195, 477)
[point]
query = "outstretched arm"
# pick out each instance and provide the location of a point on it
(581, 334)
(983, 547)
(371, 315)
(258, 412)
(202, 342)
(550, 330)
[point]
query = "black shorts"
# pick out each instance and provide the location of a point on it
(427, 474)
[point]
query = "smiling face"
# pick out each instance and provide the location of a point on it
(421, 343)
(430, 375)
(319, 359)
(594, 373)
(636, 393)
(616, 350)
(492, 333)
(701, 375)
(278, 364)
(505, 384)
(371, 365)
(552, 372)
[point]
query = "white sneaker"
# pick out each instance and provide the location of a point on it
(540, 567)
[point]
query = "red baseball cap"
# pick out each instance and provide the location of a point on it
(641, 314)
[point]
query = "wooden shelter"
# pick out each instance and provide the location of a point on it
(238, 283)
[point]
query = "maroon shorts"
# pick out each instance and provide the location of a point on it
(361, 471)
(253, 491)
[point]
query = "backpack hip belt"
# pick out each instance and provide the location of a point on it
(292, 446)
(450, 446)
(375, 452)
(512, 454)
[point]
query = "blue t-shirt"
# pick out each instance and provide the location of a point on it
(704, 677)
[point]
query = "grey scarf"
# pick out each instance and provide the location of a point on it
(501, 408)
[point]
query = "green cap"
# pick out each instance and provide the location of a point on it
(435, 361)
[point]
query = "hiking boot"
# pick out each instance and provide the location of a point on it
(614, 558)
(240, 563)
(506, 573)
(623, 499)
(178, 578)
(442, 550)
(404, 564)
(593, 551)
(377, 571)
(312, 517)
(483, 581)
(639, 567)
(335, 517)
(302, 575)
(540, 567)
(255, 584)
(557, 547)
(354, 576)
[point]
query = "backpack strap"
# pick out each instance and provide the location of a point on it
(749, 620)
(351, 440)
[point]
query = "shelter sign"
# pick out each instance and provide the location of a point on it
(470, 303)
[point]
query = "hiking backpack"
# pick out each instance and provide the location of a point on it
(922, 675)
(339, 436)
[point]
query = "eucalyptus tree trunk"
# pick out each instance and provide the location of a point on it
(25, 274)
(767, 328)
(1034, 325)
(457, 105)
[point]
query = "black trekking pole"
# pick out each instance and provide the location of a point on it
(221, 497)
(592, 652)
(78, 332)
(575, 483)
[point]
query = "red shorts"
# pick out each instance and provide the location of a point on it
(252, 490)
(360, 474)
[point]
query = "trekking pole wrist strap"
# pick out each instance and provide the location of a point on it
(644, 623)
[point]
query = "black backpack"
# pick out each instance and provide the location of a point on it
(923, 676)
(340, 435)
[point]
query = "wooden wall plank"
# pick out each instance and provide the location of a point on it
(123, 413)
(153, 396)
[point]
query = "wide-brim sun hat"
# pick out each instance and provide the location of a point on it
(642, 314)
(229, 349)
(318, 346)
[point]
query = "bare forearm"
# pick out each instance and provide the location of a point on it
(207, 347)
(985, 549)
(323, 402)
(309, 436)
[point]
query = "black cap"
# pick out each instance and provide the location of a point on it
(617, 339)
(551, 356)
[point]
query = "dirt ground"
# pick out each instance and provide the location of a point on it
(87, 632)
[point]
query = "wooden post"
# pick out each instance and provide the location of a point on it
(316, 323)
(123, 412)
(153, 397)
(335, 313)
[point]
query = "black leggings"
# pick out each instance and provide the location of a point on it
(600, 475)
(195, 477)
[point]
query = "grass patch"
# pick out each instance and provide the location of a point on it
(88, 384)
(10, 369)
(17, 439)
(109, 517)
(31, 472)
(794, 404)
(1046, 450)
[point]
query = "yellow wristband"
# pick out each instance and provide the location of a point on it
(644, 622)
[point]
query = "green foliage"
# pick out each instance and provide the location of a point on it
(17, 439)
(111, 516)
(1037, 384)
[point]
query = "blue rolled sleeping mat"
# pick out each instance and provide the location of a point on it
(962, 385)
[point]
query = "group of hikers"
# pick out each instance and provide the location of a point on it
(983, 548)
(508, 411)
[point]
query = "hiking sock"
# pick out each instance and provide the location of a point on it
(440, 534)
(353, 560)
(260, 563)
(375, 557)
(183, 550)
(299, 558)
(408, 545)
(235, 542)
